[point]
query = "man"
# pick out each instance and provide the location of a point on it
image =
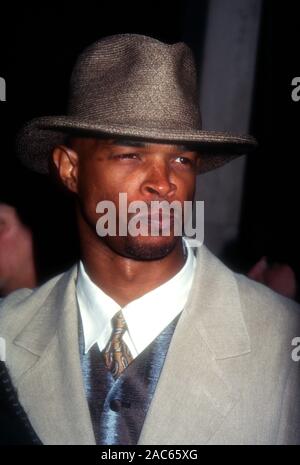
(145, 341)
(17, 266)
(277, 276)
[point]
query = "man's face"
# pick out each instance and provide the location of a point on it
(145, 172)
(16, 249)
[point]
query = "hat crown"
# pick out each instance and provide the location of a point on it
(137, 80)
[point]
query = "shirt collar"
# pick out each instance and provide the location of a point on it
(145, 317)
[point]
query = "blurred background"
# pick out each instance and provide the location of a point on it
(247, 56)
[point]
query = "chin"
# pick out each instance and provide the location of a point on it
(146, 248)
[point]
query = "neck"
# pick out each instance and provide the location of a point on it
(125, 279)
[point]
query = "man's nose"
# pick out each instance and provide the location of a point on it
(157, 182)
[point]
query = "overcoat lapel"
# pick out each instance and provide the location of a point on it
(52, 391)
(194, 395)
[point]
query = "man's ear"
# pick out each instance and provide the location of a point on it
(66, 161)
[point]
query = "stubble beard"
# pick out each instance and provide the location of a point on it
(141, 250)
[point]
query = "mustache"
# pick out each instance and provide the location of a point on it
(157, 213)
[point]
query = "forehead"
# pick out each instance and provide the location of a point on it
(6, 209)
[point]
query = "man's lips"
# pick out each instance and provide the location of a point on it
(159, 222)
(157, 217)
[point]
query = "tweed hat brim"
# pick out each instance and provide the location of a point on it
(37, 139)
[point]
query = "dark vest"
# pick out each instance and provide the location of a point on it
(118, 408)
(15, 428)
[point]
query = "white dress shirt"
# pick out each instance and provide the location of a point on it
(146, 317)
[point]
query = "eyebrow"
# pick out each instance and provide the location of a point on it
(140, 144)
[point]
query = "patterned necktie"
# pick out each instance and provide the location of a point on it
(116, 354)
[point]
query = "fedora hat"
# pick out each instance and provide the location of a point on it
(130, 85)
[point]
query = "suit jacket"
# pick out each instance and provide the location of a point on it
(228, 377)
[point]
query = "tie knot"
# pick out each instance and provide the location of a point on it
(116, 354)
(119, 324)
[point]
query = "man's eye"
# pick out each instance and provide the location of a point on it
(184, 161)
(127, 156)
